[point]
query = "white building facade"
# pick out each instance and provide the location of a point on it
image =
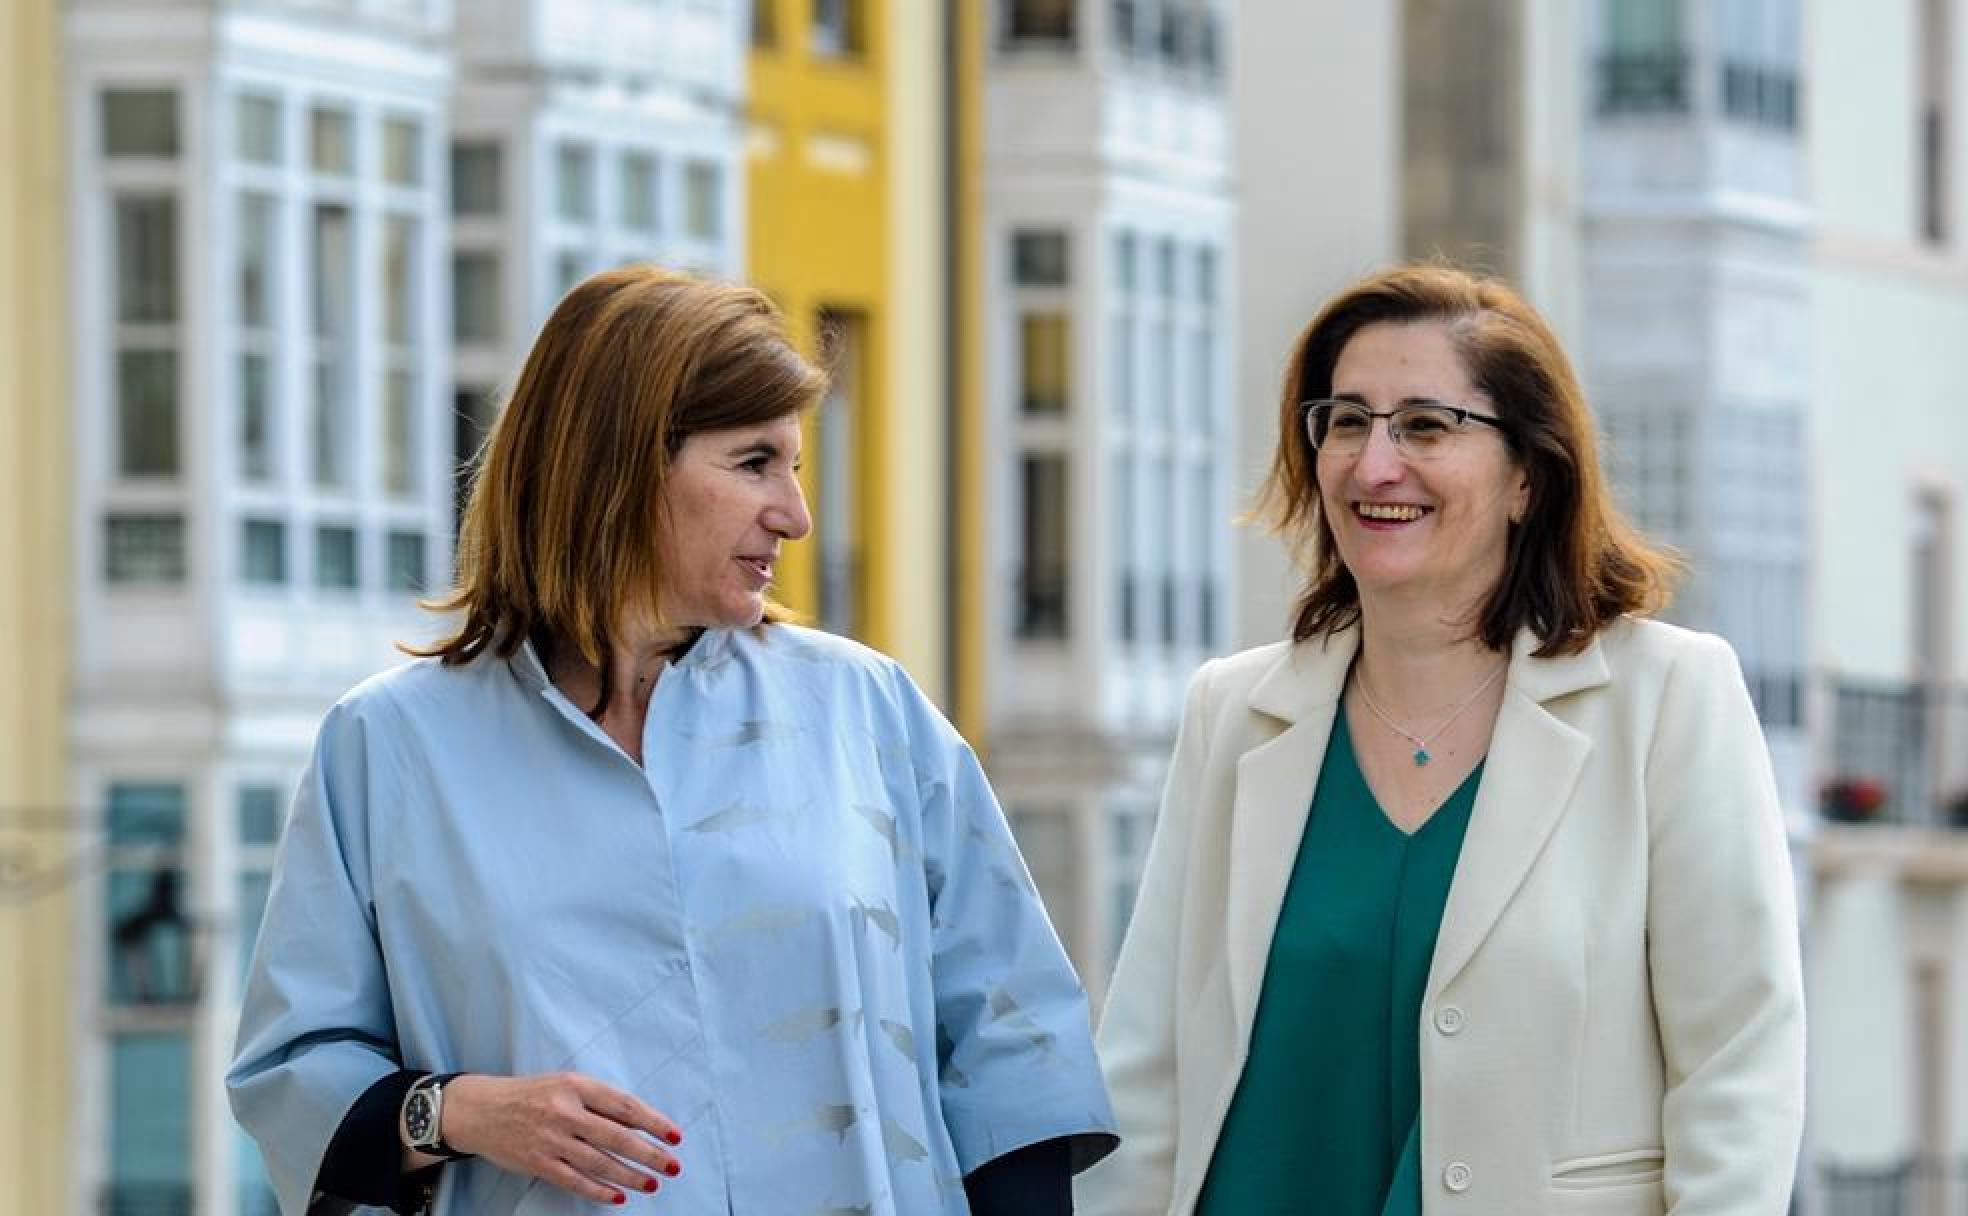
(1108, 230)
(272, 328)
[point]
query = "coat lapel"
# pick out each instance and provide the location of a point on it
(1533, 765)
(1275, 781)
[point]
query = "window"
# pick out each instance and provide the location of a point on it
(331, 141)
(146, 258)
(838, 28)
(255, 419)
(256, 260)
(1758, 43)
(1935, 88)
(1933, 647)
(1038, 258)
(765, 24)
(574, 169)
(843, 339)
(147, 413)
(703, 200)
(263, 552)
(1039, 21)
(639, 191)
(141, 548)
(256, 129)
(1163, 521)
(404, 555)
(403, 152)
(140, 123)
(334, 557)
(150, 1157)
(475, 297)
(1044, 518)
(259, 834)
(475, 179)
(472, 413)
(1121, 531)
(1129, 828)
(1645, 65)
(1043, 343)
(399, 433)
(334, 289)
(150, 932)
(399, 280)
(1202, 553)
(570, 267)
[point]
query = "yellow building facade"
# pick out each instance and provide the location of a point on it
(35, 843)
(849, 231)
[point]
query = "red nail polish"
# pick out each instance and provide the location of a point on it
(672, 1169)
(620, 1197)
(674, 1139)
(649, 1185)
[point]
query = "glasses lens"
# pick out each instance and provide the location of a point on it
(1424, 428)
(1339, 426)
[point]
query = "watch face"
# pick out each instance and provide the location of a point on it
(417, 1118)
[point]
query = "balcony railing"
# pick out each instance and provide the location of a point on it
(1896, 753)
(1644, 82)
(1922, 1187)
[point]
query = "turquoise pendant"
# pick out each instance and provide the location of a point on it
(1421, 756)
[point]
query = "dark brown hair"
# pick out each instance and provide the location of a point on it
(1574, 563)
(561, 534)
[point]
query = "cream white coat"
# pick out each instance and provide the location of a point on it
(1613, 1021)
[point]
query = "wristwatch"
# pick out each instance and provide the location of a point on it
(419, 1123)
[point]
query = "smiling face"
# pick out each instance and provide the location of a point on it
(732, 497)
(1436, 528)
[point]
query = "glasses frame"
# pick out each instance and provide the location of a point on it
(1463, 416)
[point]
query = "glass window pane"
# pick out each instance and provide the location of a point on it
(1038, 259)
(475, 297)
(256, 260)
(1041, 20)
(1124, 256)
(140, 122)
(255, 418)
(147, 413)
(150, 1158)
(1206, 276)
(334, 279)
(1165, 269)
(146, 258)
(331, 436)
(1043, 362)
(406, 562)
(331, 141)
(837, 27)
(334, 557)
(263, 557)
(400, 433)
(574, 167)
(144, 549)
(765, 24)
(256, 123)
(400, 253)
(703, 202)
(403, 151)
(639, 183)
(1043, 533)
(475, 171)
(150, 948)
(146, 813)
(260, 814)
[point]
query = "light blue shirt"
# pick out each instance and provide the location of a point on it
(801, 930)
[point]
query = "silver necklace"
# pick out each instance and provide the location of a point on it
(1420, 742)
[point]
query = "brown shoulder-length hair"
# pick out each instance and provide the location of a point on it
(560, 536)
(1573, 564)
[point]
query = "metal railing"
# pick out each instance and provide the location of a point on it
(1897, 752)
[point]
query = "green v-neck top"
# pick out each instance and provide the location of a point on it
(1326, 1116)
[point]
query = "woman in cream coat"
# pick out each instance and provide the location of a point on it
(1550, 822)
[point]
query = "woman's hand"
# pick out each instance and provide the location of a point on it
(563, 1128)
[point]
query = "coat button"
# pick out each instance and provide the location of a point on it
(1448, 1019)
(1456, 1177)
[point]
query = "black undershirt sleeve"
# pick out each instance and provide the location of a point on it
(364, 1161)
(1036, 1180)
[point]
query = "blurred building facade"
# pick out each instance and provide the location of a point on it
(849, 110)
(1106, 252)
(37, 852)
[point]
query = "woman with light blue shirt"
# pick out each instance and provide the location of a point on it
(628, 884)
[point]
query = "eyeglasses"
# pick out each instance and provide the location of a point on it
(1340, 428)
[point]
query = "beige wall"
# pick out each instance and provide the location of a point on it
(35, 1041)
